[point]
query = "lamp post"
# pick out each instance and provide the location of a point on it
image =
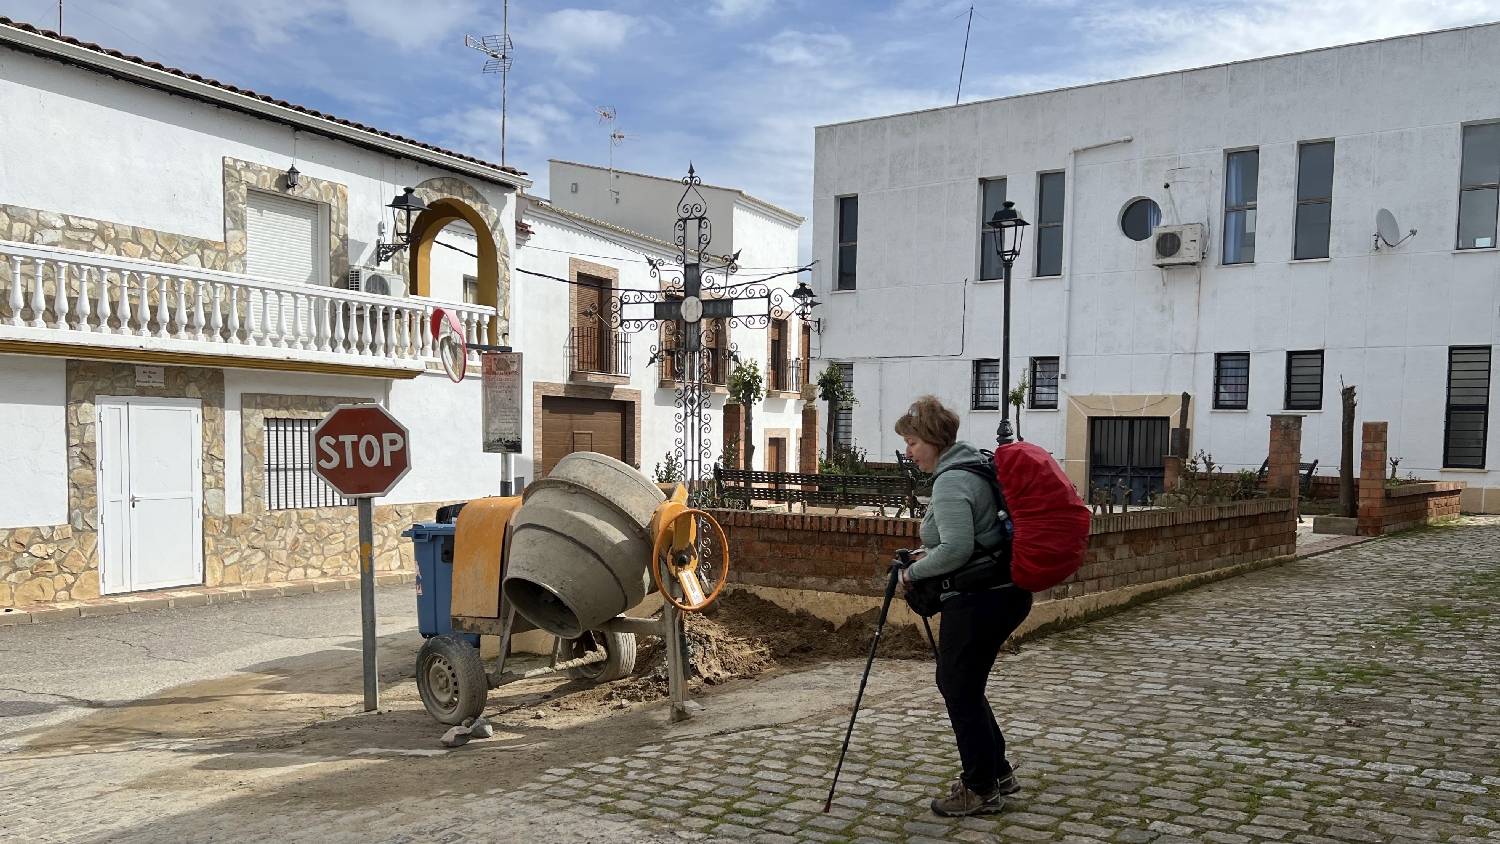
(806, 300)
(404, 205)
(1009, 230)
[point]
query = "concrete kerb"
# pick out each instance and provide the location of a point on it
(191, 597)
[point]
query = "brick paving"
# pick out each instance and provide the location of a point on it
(1349, 697)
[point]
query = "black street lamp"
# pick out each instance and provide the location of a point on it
(806, 301)
(404, 205)
(1009, 230)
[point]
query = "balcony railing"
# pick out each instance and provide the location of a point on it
(85, 299)
(719, 365)
(599, 352)
(785, 376)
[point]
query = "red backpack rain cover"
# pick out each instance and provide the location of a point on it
(1051, 521)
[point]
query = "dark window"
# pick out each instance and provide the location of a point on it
(1140, 218)
(291, 483)
(1479, 185)
(1043, 384)
(994, 199)
(1232, 381)
(1314, 200)
(848, 227)
(1049, 224)
(471, 290)
(1241, 175)
(843, 418)
(1468, 420)
(986, 390)
(1304, 380)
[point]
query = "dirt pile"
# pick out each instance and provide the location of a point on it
(745, 635)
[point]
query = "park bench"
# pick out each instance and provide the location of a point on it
(741, 486)
(1305, 470)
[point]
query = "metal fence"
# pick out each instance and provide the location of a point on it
(291, 483)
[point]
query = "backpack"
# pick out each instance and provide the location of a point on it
(1050, 521)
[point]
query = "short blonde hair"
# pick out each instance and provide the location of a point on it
(929, 421)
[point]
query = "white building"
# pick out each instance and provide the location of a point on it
(1283, 162)
(176, 313)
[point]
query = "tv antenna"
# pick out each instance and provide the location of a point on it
(1386, 230)
(499, 49)
(611, 115)
(965, 60)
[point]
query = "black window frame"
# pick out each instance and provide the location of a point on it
(843, 417)
(1042, 393)
(846, 251)
(989, 261)
(1222, 379)
(1292, 359)
(1480, 408)
(984, 384)
(1466, 187)
(1307, 206)
(1250, 207)
(1045, 225)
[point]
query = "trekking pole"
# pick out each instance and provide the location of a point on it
(890, 592)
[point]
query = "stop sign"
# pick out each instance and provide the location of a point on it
(361, 450)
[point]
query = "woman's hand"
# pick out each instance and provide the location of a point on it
(906, 584)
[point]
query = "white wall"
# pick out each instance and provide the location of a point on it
(639, 203)
(78, 142)
(448, 267)
(34, 445)
(1395, 110)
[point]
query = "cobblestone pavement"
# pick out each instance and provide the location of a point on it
(1349, 697)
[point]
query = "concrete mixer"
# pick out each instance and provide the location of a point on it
(581, 549)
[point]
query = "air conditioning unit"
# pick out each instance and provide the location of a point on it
(1177, 246)
(379, 282)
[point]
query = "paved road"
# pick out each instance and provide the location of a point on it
(1350, 697)
(57, 671)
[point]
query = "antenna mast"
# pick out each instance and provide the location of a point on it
(499, 49)
(965, 62)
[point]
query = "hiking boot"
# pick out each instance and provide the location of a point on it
(1008, 784)
(961, 802)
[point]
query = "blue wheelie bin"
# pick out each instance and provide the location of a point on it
(433, 543)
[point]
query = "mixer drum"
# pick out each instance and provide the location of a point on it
(581, 545)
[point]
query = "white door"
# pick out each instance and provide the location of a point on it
(150, 493)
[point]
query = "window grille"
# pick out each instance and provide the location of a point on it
(1232, 381)
(291, 483)
(986, 388)
(1049, 223)
(1304, 380)
(993, 191)
(1241, 179)
(843, 417)
(1479, 186)
(1466, 424)
(1043, 384)
(1314, 200)
(848, 240)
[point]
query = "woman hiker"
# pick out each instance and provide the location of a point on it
(962, 521)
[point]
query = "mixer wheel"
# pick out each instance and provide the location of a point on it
(450, 678)
(619, 650)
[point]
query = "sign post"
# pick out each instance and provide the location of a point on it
(362, 451)
(501, 374)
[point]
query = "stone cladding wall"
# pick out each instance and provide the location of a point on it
(850, 554)
(240, 177)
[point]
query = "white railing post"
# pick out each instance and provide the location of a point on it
(338, 326)
(60, 294)
(180, 301)
(163, 314)
(198, 310)
(304, 320)
(234, 312)
(38, 303)
(143, 307)
(15, 302)
(366, 339)
(216, 320)
(424, 331)
(250, 324)
(82, 303)
(104, 314)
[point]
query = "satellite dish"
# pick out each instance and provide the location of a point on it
(448, 337)
(1386, 230)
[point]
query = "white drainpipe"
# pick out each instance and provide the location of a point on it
(1067, 267)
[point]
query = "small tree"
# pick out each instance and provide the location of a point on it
(1348, 501)
(747, 387)
(1017, 398)
(838, 395)
(669, 471)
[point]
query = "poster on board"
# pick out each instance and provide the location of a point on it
(501, 377)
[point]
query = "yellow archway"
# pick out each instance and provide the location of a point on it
(424, 230)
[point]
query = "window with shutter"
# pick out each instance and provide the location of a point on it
(283, 239)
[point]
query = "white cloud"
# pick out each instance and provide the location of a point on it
(804, 49)
(407, 25)
(573, 36)
(740, 8)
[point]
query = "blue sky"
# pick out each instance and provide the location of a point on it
(734, 85)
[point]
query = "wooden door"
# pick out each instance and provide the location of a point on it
(776, 454)
(574, 424)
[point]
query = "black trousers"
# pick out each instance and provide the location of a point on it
(973, 627)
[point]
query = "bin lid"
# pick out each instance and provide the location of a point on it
(427, 530)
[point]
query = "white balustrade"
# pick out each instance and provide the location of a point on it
(109, 295)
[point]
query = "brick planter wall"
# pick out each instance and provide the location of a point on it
(1384, 509)
(850, 554)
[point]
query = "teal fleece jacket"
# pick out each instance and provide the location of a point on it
(962, 509)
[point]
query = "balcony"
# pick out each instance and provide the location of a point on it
(597, 354)
(85, 305)
(784, 376)
(719, 364)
